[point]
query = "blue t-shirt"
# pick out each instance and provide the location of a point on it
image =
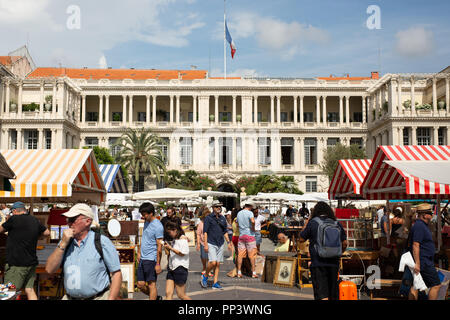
(152, 231)
(245, 225)
(215, 227)
(422, 234)
(310, 232)
(84, 271)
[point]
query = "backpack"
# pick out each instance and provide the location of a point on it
(98, 247)
(328, 242)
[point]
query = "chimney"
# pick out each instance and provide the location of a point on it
(375, 75)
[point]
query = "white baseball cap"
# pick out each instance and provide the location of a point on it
(79, 208)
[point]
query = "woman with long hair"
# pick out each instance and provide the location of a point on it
(177, 272)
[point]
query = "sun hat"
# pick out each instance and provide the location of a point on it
(424, 208)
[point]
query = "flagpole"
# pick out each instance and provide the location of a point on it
(224, 43)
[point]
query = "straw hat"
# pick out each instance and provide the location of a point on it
(424, 208)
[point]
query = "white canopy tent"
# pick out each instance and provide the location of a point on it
(437, 171)
(170, 194)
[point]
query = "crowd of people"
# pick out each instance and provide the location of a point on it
(91, 268)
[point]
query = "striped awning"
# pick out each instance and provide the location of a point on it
(113, 178)
(5, 174)
(348, 177)
(385, 181)
(54, 175)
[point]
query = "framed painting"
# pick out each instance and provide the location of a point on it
(128, 275)
(285, 272)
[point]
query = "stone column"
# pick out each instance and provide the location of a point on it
(414, 135)
(347, 109)
(302, 153)
(19, 100)
(107, 110)
(279, 110)
(298, 152)
(272, 111)
(295, 111)
(8, 96)
(234, 111)
(216, 110)
(391, 94)
(100, 109)
(435, 135)
(363, 109)
(147, 110)
(413, 96)
(54, 101)
(216, 153)
(447, 95)
(341, 111)
(434, 96)
(255, 110)
(124, 110)
(234, 152)
(194, 110)
(370, 108)
(154, 110)
(301, 111)
(40, 138)
(2, 99)
(83, 109)
(171, 109)
(318, 110)
(320, 147)
(324, 110)
(130, 117)
(378, 104)
(178, 109)
(41, 99)
(400, 135)
(19, 138)
(274, 153)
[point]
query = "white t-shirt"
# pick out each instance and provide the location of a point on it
(175, 260)
(258, 221)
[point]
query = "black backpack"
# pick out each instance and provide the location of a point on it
(98, 247)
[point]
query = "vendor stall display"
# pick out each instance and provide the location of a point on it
(6, 173)
(8, 291)
(113, 178)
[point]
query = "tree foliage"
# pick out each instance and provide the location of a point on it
(189, 180)
(102, 155)
(267, 183)
(140, 153)
(333, 154)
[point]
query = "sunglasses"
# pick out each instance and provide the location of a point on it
(72, 219)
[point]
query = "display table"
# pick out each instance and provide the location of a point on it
(292, 232)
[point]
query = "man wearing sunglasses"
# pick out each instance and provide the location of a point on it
(86, 275)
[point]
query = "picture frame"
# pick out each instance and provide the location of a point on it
(285, 272)
(127, 270)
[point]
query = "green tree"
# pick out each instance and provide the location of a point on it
(140, 153)
(172, 179)
(267, 183)
(333, 154)
(102, 155)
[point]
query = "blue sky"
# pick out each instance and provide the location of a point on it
(282, 38)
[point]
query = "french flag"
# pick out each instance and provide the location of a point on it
(230, 41)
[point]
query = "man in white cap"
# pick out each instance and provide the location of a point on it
(90, 272)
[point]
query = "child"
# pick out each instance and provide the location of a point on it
(178, 262)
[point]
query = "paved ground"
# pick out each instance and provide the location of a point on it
(234, 288)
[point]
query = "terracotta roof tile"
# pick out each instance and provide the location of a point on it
(118, 74)
(8, 60)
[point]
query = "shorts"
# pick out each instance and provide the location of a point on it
(325, 282)
(203, 254)
(146, 271)
(215, 253)
(179, 275)
(258, 237)
(21, 277)
(430, 275)
(247, 246)
(235, 240)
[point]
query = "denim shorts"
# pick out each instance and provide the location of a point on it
(215, 253)
(258, 237)
(179, 275)
(203, 254)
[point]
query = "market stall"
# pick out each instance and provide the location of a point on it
(6, 173)
(113, 178)
(347, 179)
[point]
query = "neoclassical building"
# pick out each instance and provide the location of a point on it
(224, 128)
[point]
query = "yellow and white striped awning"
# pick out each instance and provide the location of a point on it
(53, 173)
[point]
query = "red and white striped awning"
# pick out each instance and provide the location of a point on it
(384, 181)
(347, 178)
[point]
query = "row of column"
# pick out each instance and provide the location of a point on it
(299, 98)
(130, 109)
(56, 138)
(62, 96)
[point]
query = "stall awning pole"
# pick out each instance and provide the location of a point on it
(439, 223)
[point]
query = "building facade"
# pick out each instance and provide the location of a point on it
(225, 128)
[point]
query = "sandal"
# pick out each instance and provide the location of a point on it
(255, 276)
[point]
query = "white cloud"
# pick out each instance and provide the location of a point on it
(102, 64)
(286, 39)
(104, 25)
(414, 42)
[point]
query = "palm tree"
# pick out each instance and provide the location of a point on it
(141, 152)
